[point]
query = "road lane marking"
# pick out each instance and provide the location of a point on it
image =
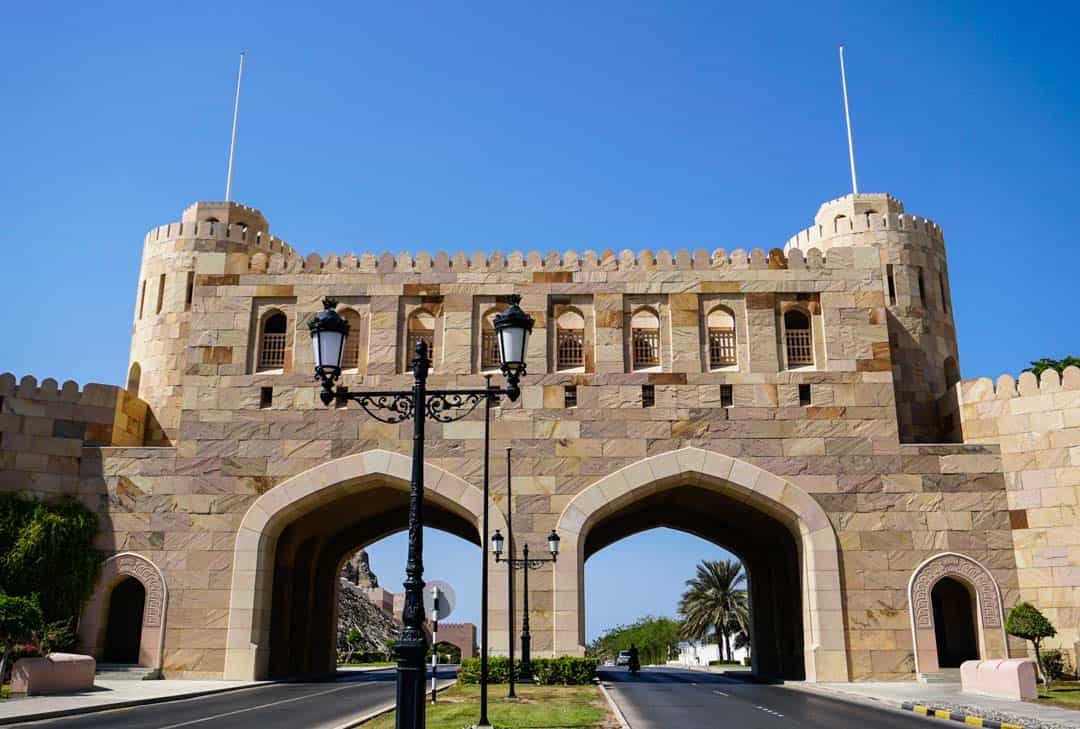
(255, 708)
(769, 711)
(720, 692)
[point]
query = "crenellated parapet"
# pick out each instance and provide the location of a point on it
(49, 390)
(1028, 384)
(822, 233)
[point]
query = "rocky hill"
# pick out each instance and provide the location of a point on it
(355, 610)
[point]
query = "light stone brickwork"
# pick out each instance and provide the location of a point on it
(248, 494)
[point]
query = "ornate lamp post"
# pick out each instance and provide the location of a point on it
(526, 563)
(329, 332)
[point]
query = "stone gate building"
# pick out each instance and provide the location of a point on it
(800, 407)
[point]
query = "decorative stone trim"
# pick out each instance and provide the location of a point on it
(95, 615)
(990, 622)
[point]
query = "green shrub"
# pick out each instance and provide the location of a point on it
(1054, 664)
(498, 670)
(746, 661)
(564, 671)
(724, 663)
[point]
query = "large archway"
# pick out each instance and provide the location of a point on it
(780, 532)
(294, 539)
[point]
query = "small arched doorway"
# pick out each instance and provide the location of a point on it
(954, 623)
(123, 633)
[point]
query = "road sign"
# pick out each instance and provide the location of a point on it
(446, 600)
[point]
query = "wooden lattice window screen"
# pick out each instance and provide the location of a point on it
(489, 351)
(645, 346)
(722, 348)
(570, 348)
(800, 349)
(272, 351)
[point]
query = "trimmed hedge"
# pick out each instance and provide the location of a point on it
(565, 671)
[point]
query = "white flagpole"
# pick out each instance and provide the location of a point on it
(847, 118)
(232, 142)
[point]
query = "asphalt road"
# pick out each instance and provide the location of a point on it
(314, 704)
(665, 698)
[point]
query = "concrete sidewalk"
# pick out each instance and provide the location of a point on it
(947, 696)
(118, 694)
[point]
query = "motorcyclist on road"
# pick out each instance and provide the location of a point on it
(635, 664)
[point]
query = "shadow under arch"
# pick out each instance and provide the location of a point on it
(781, 532)
(294, 538)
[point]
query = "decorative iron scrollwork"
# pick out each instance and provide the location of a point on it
(386, 408)
(445, 406)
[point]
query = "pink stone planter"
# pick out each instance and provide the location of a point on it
(53, 674)
(1009, 678)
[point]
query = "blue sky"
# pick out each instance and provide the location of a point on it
(532, 126)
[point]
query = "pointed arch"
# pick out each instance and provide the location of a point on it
(94, 620)
(824, 643)
(989, 617)
(251, 599)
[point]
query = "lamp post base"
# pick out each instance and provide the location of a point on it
(411, 683)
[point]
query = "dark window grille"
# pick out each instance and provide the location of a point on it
(800, 349)
(645, 344)
(489, 350)
(570, 349)
(648, 396)
(727, 396)
(722, 348)
(272, 353)
(350, 358)
(570, 396)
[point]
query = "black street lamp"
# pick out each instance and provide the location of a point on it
(526, 563)
(329, 332)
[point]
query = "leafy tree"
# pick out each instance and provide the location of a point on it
(1027, 622)
(656, 638)
(352, 639)
(19, 618)
(714, 601)
(47, 548)
(1059, 365)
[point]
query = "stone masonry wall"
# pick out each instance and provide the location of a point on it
(1036, 424)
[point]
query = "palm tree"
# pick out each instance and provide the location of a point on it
(714, 601)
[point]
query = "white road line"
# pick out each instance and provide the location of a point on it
(254, 708)
(720, 692)
(769, 711)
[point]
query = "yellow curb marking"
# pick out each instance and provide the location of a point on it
(973, 721)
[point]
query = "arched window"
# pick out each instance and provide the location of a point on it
(134, 377)
(569, 341)
(840, 222)
(798, 340)
(869, 216)
(489, 341)
(350, 358)
(644, 339)
(421, 325)
(272, 341)
(721, 337)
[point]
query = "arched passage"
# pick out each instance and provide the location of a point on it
(294, 539)
(106, 628)
(956, 613)
(780, 531)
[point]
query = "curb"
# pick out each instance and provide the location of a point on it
(614, 707)
(932, 713)
(385, 708)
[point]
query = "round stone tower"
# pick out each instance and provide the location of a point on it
(167, 312)
(922, 336)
